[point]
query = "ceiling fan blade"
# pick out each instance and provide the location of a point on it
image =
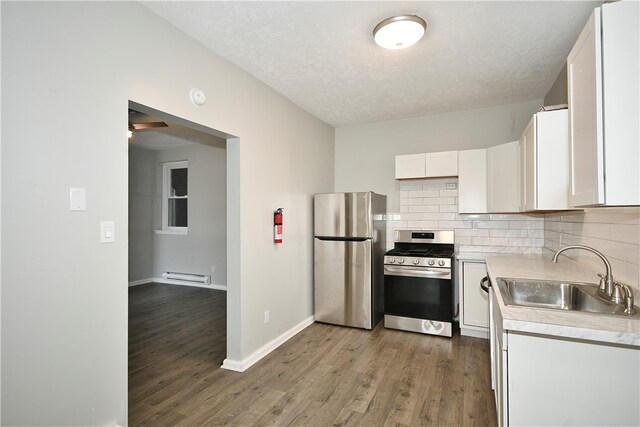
(141, 126)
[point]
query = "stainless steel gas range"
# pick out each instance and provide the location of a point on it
(418, 282)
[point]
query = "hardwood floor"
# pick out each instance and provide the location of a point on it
(325, 375)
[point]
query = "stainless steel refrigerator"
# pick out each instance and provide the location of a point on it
(349, 247)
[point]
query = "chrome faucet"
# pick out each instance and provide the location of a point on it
(608, 286)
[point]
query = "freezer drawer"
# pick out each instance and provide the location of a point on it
(342, 282)
(343, 215)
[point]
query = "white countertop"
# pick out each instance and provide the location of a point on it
(570, 324)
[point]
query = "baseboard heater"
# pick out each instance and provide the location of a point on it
(187, 277)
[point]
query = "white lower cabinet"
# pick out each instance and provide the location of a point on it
(545, 380)
(474, 307)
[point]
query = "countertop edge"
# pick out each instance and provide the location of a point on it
(549, 322)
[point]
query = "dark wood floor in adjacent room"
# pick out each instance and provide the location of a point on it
(324, 376)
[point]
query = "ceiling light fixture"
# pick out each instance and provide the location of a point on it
(399, 32)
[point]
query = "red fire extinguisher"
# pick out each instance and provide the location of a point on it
(277, 226)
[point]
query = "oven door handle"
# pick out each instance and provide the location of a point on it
(417, 272)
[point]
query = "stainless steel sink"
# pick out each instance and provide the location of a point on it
(558, 296)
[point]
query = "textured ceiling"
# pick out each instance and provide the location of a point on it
(321, 55)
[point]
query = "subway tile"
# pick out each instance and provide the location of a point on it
(424, 208)
(476, 217)
(463, 240)
(448, 193)
(526, 242)
(413, 216)
(410, 202)
(438, 201)
(423, 193)
(537, 234)
(490, 224)
(454, 224)
(422, 224)
(599, 230)
(499, 232)
(527, 225)
(625, 233)
(472, 232)
(410, 187)
(490, 241)
(449, 208)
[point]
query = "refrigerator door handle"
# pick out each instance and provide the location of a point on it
(342, 239)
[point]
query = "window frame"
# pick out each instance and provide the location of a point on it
(167, 167)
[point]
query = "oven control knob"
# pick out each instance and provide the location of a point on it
(401, 261)
(416, 261)
(441, 262)
(431, 262)
(392, 260)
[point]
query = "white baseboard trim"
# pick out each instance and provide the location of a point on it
(192, 284)
(477, 333)
(141, 282)
(246, 363)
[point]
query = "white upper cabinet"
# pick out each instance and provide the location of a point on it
(411, 166)
(503, 177)
(427, 165)
(472, 181)
(444, 163)
(544, 148)
(604, 97)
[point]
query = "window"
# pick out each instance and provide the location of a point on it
(175, 197)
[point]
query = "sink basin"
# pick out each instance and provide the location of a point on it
(557, 296)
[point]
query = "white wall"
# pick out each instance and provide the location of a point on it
(365, 154)
(68, 72)
(142, 166)
(205, 245)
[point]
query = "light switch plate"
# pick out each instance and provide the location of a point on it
(107, 231)
(77, 199)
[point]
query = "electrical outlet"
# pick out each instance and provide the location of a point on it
(213, 268)
(266, 316)
(452, 186)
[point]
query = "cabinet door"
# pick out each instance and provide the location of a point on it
(621, 97)
(472, 181)
(552, 178)
(529, 167)
(410, 166)
(503, 177)
(584, 79)
(444, 163)
(475, 305)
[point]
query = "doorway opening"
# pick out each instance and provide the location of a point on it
(177, 263)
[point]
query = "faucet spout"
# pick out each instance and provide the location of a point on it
(609, 282)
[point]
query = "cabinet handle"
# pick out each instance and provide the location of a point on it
(484, 284)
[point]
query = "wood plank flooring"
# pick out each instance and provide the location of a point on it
(324, 376)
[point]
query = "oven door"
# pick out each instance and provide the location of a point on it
(418, 292)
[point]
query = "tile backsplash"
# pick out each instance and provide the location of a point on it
(430, 204)
(613, 231)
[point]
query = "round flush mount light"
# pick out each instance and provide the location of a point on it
(399, 32)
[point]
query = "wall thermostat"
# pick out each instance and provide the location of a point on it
(198, 97)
